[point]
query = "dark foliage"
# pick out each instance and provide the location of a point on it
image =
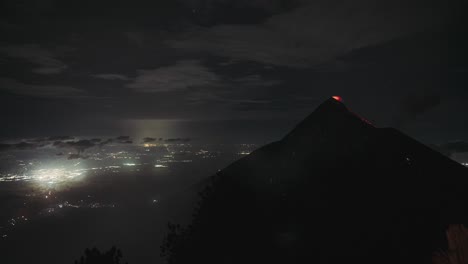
(94, 256)
(457, 248)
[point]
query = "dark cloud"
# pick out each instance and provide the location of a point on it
(173, 140)
(46, 61)
(55, 138)
(59, 144)
(4, 147)
(25, 146)
(118, 140)
(77, 156)
(180, 76)
(315, 32)
(18, 146)
(104, 63)
(80, 145)
(215, 12)
(416, 104)
(149, 140)
(65, 142)
(39, 90)
(135, 37)
(39, 140)
(105, 142)
(254, 80)
(112, 77)
(419, 103)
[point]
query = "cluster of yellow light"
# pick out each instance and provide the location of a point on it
(45, 175)
(48, 178)
(55, 175)
(55, 178)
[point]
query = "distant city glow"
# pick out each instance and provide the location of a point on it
(48, 177)
(55, 177)
(45, 178)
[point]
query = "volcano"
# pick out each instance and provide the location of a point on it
(336, 189)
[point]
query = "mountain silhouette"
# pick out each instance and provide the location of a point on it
(336, 189)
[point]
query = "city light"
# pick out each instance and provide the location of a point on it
(55, 177)
(50, 177)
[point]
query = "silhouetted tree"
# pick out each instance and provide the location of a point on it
(457, 253)
(94, 256)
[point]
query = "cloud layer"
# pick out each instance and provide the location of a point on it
(46, 61)
(316, 32)
(49, 91)
(180, 76)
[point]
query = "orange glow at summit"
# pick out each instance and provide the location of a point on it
(338, 98)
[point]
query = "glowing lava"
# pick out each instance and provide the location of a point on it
(338, 98)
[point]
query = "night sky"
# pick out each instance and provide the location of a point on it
(229, 69)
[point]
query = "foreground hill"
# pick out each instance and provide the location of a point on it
(336, 189)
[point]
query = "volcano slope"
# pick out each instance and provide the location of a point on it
(335, 189)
